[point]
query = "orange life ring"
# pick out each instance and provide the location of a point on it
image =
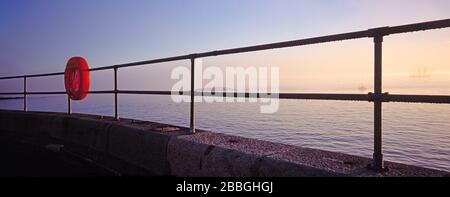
(77, 78)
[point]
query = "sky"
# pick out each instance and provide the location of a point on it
(39, 36)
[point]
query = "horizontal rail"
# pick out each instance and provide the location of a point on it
(42, 93)
(315, 40)
(148, 92)
(418, 98)
(322, 39)
(55, 92)
(439, 24)
(444, 99)
(102, 92)
(308, 96)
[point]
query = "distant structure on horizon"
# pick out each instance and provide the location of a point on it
(420, 74)
(362, 88)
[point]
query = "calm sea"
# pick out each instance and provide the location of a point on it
(417, 134)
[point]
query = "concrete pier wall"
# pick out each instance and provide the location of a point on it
(141, 148)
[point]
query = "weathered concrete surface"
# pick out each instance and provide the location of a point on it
(143, 148)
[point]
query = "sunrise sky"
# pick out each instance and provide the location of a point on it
(39, 36)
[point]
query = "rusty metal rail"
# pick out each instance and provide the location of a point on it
(378, 97)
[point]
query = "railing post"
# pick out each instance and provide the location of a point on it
(192, 122)
(69, 105)
(25, 93)
(116, 91)
(378, 163)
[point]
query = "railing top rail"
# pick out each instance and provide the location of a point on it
(382, 31)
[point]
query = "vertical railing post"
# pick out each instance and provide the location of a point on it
(378, 163)
(69, 105)
(116, 91)
(192, 117)
(25, 93)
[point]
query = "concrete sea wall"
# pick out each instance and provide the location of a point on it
(142, 148)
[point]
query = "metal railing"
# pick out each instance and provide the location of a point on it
(378, 97)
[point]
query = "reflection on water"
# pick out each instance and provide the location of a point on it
(416, 134)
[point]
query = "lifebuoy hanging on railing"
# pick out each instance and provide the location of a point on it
(77, 78)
